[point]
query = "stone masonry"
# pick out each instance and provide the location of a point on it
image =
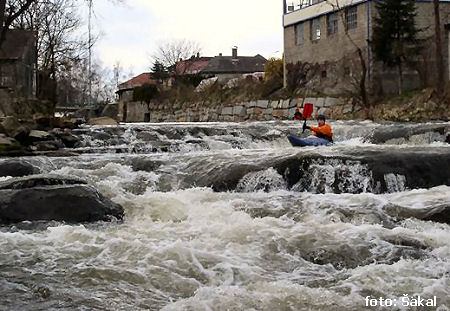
(259, 110)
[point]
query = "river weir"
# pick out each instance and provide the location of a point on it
(229, 216)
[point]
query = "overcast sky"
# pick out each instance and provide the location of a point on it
(130, 32)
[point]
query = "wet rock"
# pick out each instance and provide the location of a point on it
(47, 145)
(14, 129)
(147, 165)
(101, 135)
(36, 135)
(7, 141)
(17, 168)
(69, 140)
(171, 133)
(438, 213)
(66, 123)
(418, 168)
(384, 134)
(10, 147)
(102, 121)
(224, 179)
(147, 136)
(47, 197)
(442, 216)
(40, 181)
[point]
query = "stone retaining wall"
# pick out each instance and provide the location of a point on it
(258, 110)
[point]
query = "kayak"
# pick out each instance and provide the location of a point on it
(309, 141)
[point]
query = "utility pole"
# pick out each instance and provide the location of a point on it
(89, 101)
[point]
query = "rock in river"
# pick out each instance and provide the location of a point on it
(52, 197)
(17, 168)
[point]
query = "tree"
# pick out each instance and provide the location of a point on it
(10, 11)
(273, 69)
(438, 42)
(395, 34)
(172, 52)
(145, 93)
(56, 23)
(159, 71)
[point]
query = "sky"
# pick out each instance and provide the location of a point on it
(130, 32)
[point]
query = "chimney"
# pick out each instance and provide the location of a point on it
(220, 54)
(198, 54)
(234, 52)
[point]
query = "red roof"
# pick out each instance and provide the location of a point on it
(192, 66)
(143, 78)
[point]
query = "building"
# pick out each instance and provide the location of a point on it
(18, 62)
(194, 65)
(324, 37)
(125, 89)
(234, 66)
(222, 67)
(127, 107)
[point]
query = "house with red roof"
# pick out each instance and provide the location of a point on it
(125, 89)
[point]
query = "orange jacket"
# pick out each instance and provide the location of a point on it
(323, 131)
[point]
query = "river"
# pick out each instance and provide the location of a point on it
(223, 216)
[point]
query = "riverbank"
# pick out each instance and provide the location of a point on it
(418, 106)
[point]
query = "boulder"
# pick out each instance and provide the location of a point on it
(102, 121)
(67, 123)
(51, 197)
(43, 122)
(68, 139)
(110, 111)
(14, 129)
(9, 146)
(47, 145)
(40, 135)
(386, 133)
(17, 168)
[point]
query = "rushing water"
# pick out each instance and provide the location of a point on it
(215, 221)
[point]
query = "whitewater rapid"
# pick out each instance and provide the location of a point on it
(258, 244)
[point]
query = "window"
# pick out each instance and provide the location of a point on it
(324, 74)
(315, 29)
(299, 34)
(351, 18)
(332, 23)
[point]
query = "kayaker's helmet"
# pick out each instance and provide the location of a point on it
(321, 117)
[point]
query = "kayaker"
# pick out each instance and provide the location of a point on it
(322, 130)
(298, 115)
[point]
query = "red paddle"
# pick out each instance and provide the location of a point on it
(307, 112)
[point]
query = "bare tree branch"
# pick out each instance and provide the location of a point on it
(171, 53)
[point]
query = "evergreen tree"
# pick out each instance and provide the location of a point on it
(395, 34)
(159, 71)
